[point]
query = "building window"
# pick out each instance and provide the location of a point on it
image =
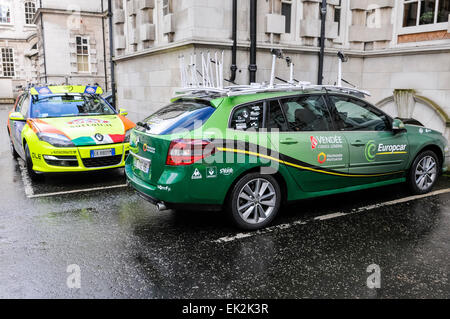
(7, 62)
(166, 7)
(422, 12)
(82, 54)
(286, 10)
(30, 10)
(5, 12)
(337, 16)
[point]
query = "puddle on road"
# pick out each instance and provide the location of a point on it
(79, 214)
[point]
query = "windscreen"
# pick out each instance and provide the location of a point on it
(66, 105)
(179, 116)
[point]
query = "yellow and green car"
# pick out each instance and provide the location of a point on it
(67, 129)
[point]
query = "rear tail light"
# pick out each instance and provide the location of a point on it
(186, 152)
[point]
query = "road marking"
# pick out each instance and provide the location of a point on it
(25, 179)
(29, 192)
(327, 216)
(77, 191)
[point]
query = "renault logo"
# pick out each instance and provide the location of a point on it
(98, 137)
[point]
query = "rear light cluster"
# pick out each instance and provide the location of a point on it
(186, 152)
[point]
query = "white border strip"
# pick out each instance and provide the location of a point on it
(327, 216)
(25, 179)
(77, 191)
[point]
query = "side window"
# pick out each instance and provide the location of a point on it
(307, 113)
(25, 105)
(248, 117)
(356, 115)
(19, 103)
(276, 119)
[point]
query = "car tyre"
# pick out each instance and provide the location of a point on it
(35, 177)
(423, 172)
(254, 201)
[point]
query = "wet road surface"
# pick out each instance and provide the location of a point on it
(125, 248)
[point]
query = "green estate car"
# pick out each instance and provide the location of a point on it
(253, 152)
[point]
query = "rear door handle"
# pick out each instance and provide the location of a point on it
(358, 143)
(288, 141)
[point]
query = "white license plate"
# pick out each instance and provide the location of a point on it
(142, 165)
(103, 153)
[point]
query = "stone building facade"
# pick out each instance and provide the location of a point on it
(18, 43)
(398, 50)
(54, 42)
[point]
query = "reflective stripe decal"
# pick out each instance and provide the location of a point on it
(303, 167)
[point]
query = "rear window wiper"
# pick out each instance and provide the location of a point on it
(144, 125)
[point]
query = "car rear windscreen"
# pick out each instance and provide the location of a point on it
(179, 116)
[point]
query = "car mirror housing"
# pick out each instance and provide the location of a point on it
(16, 116)
(123, 112)
(398, 125)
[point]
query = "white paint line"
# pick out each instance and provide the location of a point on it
(328, 216)
(25, 178)
(78, 191)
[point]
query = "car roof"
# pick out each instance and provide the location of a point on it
(64, 89)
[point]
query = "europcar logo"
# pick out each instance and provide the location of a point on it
(370, 151)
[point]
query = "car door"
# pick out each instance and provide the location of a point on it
(17, 126)
(302, 131)
(375, 149)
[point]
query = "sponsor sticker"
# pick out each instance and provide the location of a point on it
(333, 141)
(372, 150)
(196, 174)
(164, 188)
(226, 171)
(211, 172)
(149, 149)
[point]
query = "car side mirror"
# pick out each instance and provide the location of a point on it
(123, 112)
(16, 116)
(398, 126)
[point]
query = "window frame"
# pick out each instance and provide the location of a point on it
(8, 5)
(33, 3)
(2, 63)
(420, 28)
(88, 53)
(236, 107)
(335, 113)
(167, 6)
(325, 101)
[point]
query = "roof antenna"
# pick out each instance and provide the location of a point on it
(342, 58)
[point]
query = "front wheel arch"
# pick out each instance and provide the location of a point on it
(278, 176)
(435, 149)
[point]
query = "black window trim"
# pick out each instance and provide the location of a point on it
(370, 106)
(325, 101)
(233, 110)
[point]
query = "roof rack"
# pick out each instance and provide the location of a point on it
(210, 79)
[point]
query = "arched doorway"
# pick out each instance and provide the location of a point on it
(407, 104)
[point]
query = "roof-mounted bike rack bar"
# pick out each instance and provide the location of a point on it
(211, 78)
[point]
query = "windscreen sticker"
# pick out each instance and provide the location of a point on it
(88, 122)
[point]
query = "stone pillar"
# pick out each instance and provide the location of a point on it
(404, 99)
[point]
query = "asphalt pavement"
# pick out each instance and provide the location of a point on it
(124, 248)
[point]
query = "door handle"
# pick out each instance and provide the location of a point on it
(358, 143)
(288, 141)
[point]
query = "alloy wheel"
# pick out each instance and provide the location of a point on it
(256, 201)
(426, 171)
